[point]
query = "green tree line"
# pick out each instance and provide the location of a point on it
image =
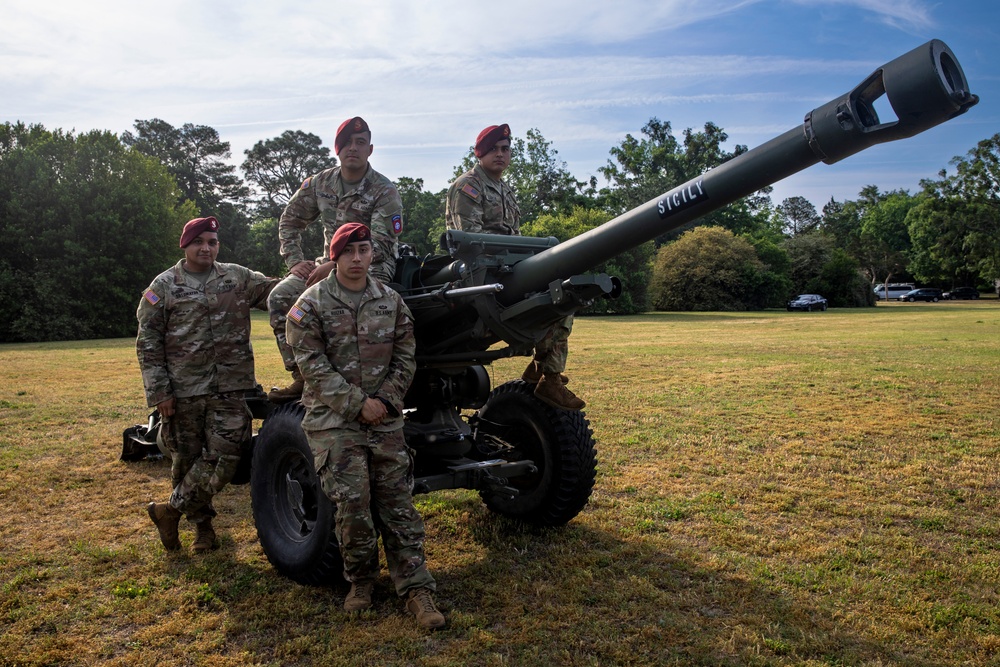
(88, 219)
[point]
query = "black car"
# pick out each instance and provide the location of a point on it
(962, 293)
(922, 294)
(807, 302)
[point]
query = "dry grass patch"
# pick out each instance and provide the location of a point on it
(774, 488)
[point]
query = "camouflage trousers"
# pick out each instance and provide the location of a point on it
(551, 352)
(282, 298)
(365, 471)
(203, 437)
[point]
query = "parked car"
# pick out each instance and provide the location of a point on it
(807, 302)
(962, 293)
(895, 290)
(922, 294)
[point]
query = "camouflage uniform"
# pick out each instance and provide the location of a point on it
(347, 356)
(478, 203)
(194, 346)
(374, 202)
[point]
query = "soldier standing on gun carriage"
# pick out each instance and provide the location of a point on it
(194, 351)
(479, 201)
(353, 342)
(351, 192)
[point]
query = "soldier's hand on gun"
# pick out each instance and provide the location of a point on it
(303, 269)
(372, 412)
(320, 272)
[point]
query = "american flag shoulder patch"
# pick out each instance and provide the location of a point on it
(296, 313)
(471, 191)
(150, 296)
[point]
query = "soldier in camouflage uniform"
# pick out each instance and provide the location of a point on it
(353, 342)
(352, 192)
(197, 363)
(480, 201)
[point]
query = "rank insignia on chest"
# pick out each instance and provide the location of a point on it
(471, 191)
(397, 223)
(296, 313)
(150, 296)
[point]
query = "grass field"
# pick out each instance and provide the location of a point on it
(773, 489)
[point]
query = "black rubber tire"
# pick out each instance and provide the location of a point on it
(559, 442)
(823, 307)
(294, 518)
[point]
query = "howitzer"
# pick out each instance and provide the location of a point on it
(530, 461)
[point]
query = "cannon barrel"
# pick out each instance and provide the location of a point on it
(925, 87)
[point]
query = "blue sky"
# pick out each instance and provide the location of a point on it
(428, 76)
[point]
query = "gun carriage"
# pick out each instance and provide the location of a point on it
(489, 297)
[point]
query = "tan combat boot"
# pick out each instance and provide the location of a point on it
(420, 603)
(533, 373)
(360, 597)
(292, 392)
(551, 391)
(166, 519)
(205, 538)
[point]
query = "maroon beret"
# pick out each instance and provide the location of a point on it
(488, 138)
(346, 129)
(352, 232)
(195, 227)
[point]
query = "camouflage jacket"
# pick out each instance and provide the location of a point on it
(477, 203)
(347, 356)
(194, 341)
(374, 202)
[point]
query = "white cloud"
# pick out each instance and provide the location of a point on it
(427, 76)
(906, 15)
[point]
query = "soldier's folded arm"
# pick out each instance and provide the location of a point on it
(310, 355)
(260, 287)
(298, 214)
(403, 364)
